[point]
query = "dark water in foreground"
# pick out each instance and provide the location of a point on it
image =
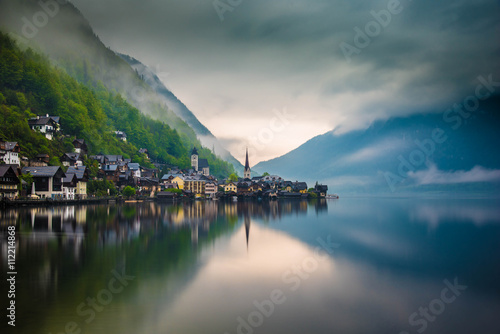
(336, 266)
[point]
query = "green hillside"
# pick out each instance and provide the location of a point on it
(30, 86)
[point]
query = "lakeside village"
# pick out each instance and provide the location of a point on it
(24, 180)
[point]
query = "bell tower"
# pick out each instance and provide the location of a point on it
(194, 159)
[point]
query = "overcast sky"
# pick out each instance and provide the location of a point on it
(286, 56)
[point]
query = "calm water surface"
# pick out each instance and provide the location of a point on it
(337, 266)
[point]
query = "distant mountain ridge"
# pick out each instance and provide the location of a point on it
(151, 78)
(396, 156)
(179, 108)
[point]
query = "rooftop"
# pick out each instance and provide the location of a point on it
(202, 163)
(69, 178)
(133, 166)
(8, 145)
(110, 168)
(5, 169)
(47, 171)
(42, 120)
(113, 158)
(72, 156)
(79, 171)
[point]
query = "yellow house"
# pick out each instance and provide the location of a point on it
(180, 182)
(297, 187)
(81, 189)
(300, 187)
(82, 176)
(230, 187)
(195, 186)
(255, 187)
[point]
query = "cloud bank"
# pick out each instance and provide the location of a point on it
(435, 176)
(286, 54)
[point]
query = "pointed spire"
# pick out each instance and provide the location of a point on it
(247, 172)
(247, 165)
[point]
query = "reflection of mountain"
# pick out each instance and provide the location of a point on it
(193, 259)
(478, 212)
(80, 245)
(232, 278)
(333, 296)
(418, 237)
(113, 225)
(77, 230)
(64, 247)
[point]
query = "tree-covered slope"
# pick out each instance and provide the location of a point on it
(30, 86)
(70, 43)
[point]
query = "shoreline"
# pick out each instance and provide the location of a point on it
(5, 203)
(49, 202)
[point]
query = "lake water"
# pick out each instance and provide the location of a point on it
(354, 265)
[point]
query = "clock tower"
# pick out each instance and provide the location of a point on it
(194, 159)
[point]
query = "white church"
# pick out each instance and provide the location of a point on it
(199, 165)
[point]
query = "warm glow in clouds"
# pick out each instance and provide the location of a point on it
(286, 54)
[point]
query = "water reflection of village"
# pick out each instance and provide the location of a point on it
(51, 241)
(68, 226)
(115, 224)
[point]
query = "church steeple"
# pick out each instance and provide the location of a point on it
(247, 172)
(247, 165)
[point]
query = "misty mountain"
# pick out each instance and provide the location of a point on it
(67, 38)
(92, 115)
(204, 135)
(431, 152)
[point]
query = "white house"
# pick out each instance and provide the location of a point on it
(69, 184)
(135, 169)
(121, 135)
(81, 173)
(48, 125)
(48, 181)
(9, 152)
